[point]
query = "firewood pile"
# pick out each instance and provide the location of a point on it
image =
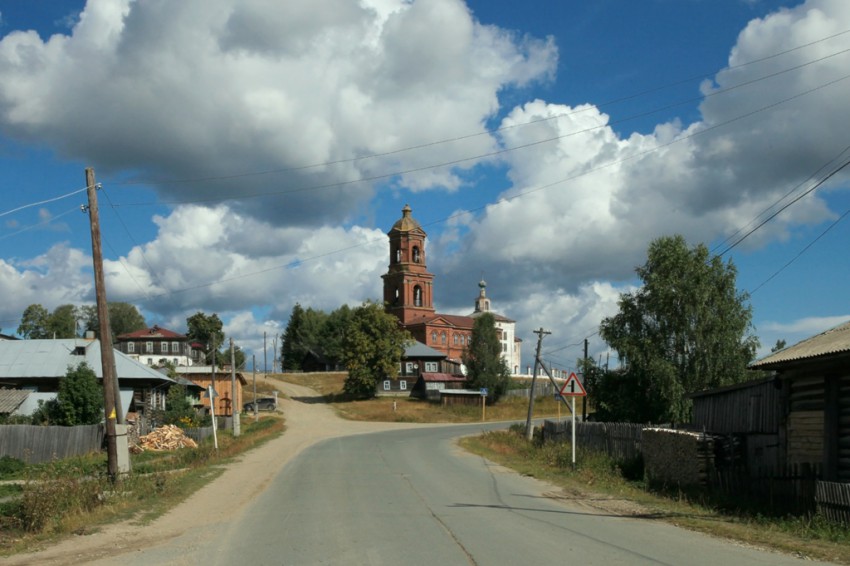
(166, 437)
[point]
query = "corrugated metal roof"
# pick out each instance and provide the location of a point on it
(420, 350)
(11, 399)
(51, 358)
(834, 341)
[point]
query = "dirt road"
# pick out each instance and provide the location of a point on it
(307, 421)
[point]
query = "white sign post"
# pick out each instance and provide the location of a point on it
(572, 389)
(211, 392)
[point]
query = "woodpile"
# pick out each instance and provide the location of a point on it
(676, 457)
(166, 437)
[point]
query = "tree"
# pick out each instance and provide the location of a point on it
(372, 348)
(780, 345)
(686, 329)
(80, 398)
(483, 358)
(302, 336)
(178, 408)
(123, 318)
(332, 334)
(34, 323)
(62, 322)
(207, 329)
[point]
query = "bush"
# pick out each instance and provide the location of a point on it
(10, 466)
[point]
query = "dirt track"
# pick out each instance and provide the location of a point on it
(307, 422)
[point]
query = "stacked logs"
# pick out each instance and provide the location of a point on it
(166, 437)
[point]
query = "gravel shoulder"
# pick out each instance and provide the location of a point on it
(307, 420)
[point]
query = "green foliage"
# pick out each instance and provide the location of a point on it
(123, 318)
(483, 359)
(685, 330)
(372, 348)
(780, 345)
(80, 398)
(178, 409)
(62, 322)
(303, 336)
(332, 334)
(34, 323)
(208, 330)
(10, 467)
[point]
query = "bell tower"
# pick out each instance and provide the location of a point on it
(408, 287)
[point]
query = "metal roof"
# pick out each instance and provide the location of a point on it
(834, 341)
(11, 399)
(420, 350)
(51, 358)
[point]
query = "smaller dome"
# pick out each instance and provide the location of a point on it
(406, 223)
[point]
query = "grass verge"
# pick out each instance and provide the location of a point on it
(75, 496)
(598, 481)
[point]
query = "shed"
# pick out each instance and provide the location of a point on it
(815, 379)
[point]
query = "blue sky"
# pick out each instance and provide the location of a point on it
(254, 153)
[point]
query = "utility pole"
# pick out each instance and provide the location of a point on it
(529, 430)
(274, 355)
(265, 366)
(111, 408)
(234, 410)
(584, 398)
(254, 364)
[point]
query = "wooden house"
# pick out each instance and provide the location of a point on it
(814, 380)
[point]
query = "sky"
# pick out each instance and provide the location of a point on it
(253, 154)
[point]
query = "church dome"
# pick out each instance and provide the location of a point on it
(406, 223)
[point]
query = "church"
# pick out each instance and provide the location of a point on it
(409, 295)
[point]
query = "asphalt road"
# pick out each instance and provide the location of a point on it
(413, 497)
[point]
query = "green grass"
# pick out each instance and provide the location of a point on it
(598, 479)
(75, 495)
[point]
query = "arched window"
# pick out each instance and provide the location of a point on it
(415, 254)
(434, 336)
(397, 256)
(454, 338)
(396, 296)
(443, 338)
(417, 296)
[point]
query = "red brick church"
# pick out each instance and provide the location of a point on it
(409, 295)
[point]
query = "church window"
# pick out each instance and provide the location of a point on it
(434, 336)
(397, 256)
(415, 254)
(442, 338)
(417, 296)
(395, 296)
(455, 339)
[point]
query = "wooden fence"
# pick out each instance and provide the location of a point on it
(776, 491)
(36, 444)
(620, 441)
(833, 501)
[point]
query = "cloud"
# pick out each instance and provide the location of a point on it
(585, 202)
(219, 88)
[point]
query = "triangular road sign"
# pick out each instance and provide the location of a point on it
(573, 387)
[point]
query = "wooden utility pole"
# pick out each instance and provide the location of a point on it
(234, 409)
(529, 430)
(107, 356)
(584, 379)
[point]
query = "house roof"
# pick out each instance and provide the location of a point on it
(433, 376)
(420, 350)
(51, 358)
(11, 399)
(496, 316)
(151, 333)
(831, 342)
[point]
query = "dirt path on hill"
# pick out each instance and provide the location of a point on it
(307, 421)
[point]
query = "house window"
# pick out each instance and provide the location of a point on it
(174, 361)
(149, 347)
(387, 385)
(415, 254)
(455, 338)
(402, 385)
(150, 361)
(434, 337)
(417, 296)
(175, 347)
(431, 367)
(131, 347)
(164, 347)
(409, 368)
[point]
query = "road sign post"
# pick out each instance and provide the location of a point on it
(572, 389)
(483, 404)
